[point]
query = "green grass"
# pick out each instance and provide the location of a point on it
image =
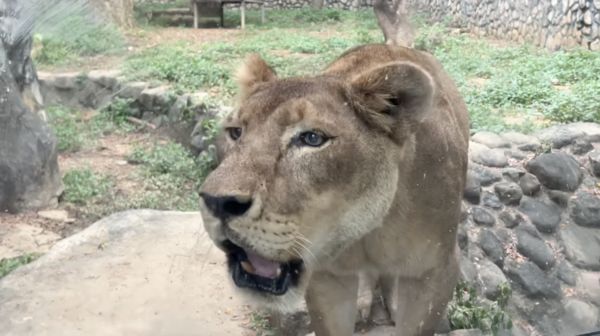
(168, 174)
(167, 178)
(8, 265)
(73, 37)
(113, 117)
(306, 19)
(171, 177)
(290, 53)
(73, 133)
(505, 87)
(66, 127)
(526, 82)
(466, 311)
(84, 186)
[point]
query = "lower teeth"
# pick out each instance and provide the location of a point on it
(247, 267)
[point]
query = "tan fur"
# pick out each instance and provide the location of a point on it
(254, 71)
(382, 197)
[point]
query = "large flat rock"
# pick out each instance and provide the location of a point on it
(138, 272)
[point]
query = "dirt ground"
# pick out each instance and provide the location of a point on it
(37, 231)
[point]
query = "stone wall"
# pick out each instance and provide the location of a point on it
(342, 4)
(550, 23)
(532, 219)
(153, 106)
(553, 24)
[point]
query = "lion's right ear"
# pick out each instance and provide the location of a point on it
(254, 71)
(394, 95)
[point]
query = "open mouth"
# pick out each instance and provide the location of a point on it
(249, 270)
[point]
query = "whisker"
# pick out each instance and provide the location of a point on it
(311, 258)
(299, 251)
(303, 238)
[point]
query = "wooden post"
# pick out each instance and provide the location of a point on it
(262, 12)
(243, 10)
(195, 9)
(221, 5)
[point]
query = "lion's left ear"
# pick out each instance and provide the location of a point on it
(394, 94)
(254, 71)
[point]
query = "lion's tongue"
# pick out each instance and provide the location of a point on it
(263, 267)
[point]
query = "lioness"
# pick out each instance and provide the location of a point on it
(359, 169)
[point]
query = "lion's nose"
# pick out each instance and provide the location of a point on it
(224, 207)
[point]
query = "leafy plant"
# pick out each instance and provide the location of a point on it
(430, 37)
(178, 64)
(171, 176)
(580, 103)
(51, 51)
(73, 133)
(84, 185)
(8, 265)
(118, 111)
(75, 36)
(466, 311)
(259, 323)
(166, 159)
(67, 130)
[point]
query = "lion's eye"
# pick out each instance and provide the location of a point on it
(313, 139)
(234, 132)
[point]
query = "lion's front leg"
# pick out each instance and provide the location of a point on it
(331, 301)
(422, 301)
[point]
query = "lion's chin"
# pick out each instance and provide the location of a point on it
(256, 274)
(290, 302)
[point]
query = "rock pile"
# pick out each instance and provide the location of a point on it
(532, 219)
(554, 24)
(97, 89)
(155, 105)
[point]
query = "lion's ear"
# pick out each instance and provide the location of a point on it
(254, 71)
(394, 94)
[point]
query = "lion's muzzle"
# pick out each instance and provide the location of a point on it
(249, 269)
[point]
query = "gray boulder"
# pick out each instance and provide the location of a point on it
(544, 216)
(595, 162)
(582, 246)
(29, 176)
(586, 210)
(535, 283)
(133, 273)
(556, 171)
(491, 140)
(562, 135)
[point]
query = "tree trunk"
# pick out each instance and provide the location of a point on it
(392, 17)
(29, 176)
(118, 11)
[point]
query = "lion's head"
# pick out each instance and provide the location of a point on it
(309, 166)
